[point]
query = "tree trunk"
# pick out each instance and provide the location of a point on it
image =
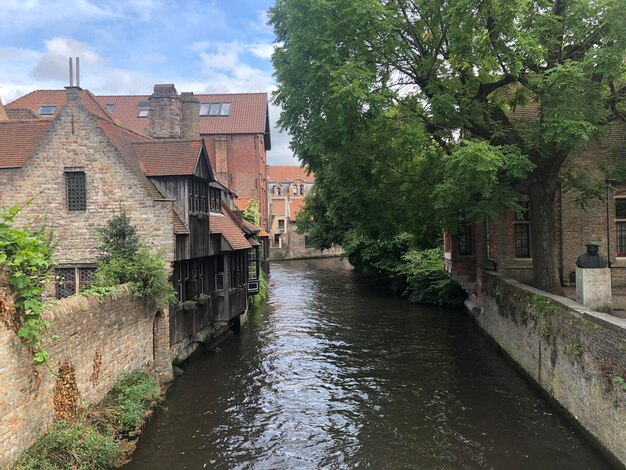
(543, 241)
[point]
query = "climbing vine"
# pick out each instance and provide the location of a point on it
(25, 258)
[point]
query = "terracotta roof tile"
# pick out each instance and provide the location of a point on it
(168, 157)
(248, 113)
(179, 226)
(294, 207)
(263, 234)
(18, 140)
(251, 227)
(21, 113)
(242, 202)
(225, 225)
(285, 173)
(38, 98)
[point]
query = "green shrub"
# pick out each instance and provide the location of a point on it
(126, 261)
(264, 291)
(426, 280)
(130, 401)
(79, 446)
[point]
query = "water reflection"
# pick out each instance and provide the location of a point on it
(336, 374)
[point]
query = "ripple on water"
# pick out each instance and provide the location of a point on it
(337, 374)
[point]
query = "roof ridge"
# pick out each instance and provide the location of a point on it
(145, 138)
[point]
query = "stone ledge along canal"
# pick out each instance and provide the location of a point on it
(336, 373)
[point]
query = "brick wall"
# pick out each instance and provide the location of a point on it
(113, 335)
(240, 163)
(573, 355)
(75, 140)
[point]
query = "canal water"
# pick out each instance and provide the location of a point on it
(337, 373)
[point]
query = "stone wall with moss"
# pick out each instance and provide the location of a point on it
(576, 356)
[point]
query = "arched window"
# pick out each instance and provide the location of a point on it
(301, 190)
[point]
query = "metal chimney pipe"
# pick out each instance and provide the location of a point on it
(71, 73)
(77, 72)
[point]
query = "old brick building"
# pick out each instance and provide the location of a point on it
(287, 186)
(505, 243)
(235, 127)
(80, 166)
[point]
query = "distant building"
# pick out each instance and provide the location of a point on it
(287, 187)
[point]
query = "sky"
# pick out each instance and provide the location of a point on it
(127, 46)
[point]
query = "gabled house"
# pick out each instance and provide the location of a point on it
(80, 166)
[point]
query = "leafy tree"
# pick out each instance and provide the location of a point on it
(251, 213)
(118, 238)
(449, 81)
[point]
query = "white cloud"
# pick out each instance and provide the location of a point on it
(226, 70)
(262, 50)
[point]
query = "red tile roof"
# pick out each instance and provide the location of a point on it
(168, 157)
(38, 98)
(294, 207)
(225, 225)
(285, 173)
(21, 113)
(251, 227)
(248, 113)
(242, 202)
(18, 140)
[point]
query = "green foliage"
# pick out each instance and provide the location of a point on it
(130, 401)
(264, 291)
(620, 382)
(427, 282)
(251, 213)
(577, 349)
(416, 273)
(127, 261)
(77, 446)
(410, 111)
(97, 291)
(27, 255)
(119, 238)
(101, 437)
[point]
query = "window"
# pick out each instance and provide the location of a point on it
(215, 195)
(238, 269)
(110, 106)
(522, 234)
(76, 190)
(295, 189)
(47, 110)
(215, 109)
(277, 190)
(190, 279)
(144, 109)
(307, 242)
(253, 263)
(198, 196)
(281, 224)
(71, 280)
(301, 190)
(620, 224)
(465, 240)
(219, 272)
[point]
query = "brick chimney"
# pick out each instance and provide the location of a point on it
(73, 92)
(165, 116)
(191, 115)
(221, 159)
(3, 113)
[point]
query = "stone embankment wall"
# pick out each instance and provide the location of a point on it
(99, 338)
(576, 356)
